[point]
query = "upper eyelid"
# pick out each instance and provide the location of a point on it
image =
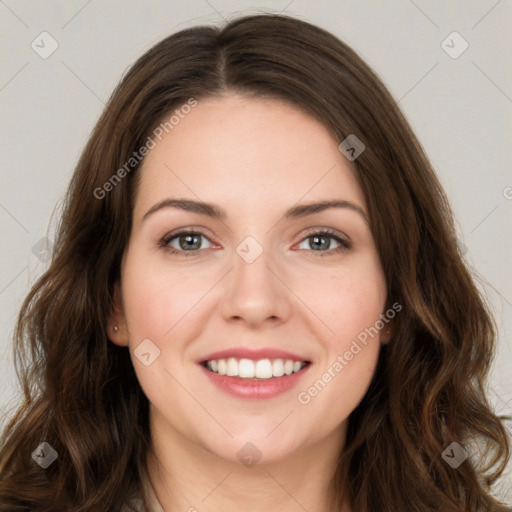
(185, 231)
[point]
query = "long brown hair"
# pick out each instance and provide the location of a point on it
(81, 392)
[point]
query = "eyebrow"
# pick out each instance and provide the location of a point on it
(213, 211)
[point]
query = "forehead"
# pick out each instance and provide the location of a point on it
(247, 154)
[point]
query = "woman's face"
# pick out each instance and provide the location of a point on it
(258, 274)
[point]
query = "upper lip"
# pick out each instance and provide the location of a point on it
(252, 353)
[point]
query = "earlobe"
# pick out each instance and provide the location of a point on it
(116, 327)
(386, 334)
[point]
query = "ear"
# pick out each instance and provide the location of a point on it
(387, 332)
(116, 329)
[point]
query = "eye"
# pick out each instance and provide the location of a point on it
(189, 243)
(185, 241)
(325, 241)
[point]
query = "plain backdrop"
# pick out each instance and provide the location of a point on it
(457, 99)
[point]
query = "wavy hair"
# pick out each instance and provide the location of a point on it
(81, 394)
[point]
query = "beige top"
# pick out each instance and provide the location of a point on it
(154, 505)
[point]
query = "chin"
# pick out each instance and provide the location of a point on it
(251, 450)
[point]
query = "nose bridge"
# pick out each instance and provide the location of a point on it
(253, 292)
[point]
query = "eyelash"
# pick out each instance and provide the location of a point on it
(344, 246)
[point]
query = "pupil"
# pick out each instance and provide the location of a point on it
(189, 242)
(318, 244)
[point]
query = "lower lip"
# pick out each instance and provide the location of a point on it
(255, 389)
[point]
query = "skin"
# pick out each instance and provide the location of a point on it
(253, 158)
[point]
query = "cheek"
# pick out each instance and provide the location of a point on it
(347, 301)
(157, 299)
(350, 301)
(340, 386)
(145, 303)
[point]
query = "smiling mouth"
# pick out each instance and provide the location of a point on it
(261, 369)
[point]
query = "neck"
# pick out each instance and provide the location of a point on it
(186, 476)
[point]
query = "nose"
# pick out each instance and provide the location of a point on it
(255, 293)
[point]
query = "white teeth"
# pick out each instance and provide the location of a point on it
(232, 369)
(263, 369)
(249, 369)
(245, 369)
(278, 368)
(221, 363)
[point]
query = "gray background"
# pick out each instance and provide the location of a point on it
(460, 109)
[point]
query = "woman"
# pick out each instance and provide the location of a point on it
(256, 299)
